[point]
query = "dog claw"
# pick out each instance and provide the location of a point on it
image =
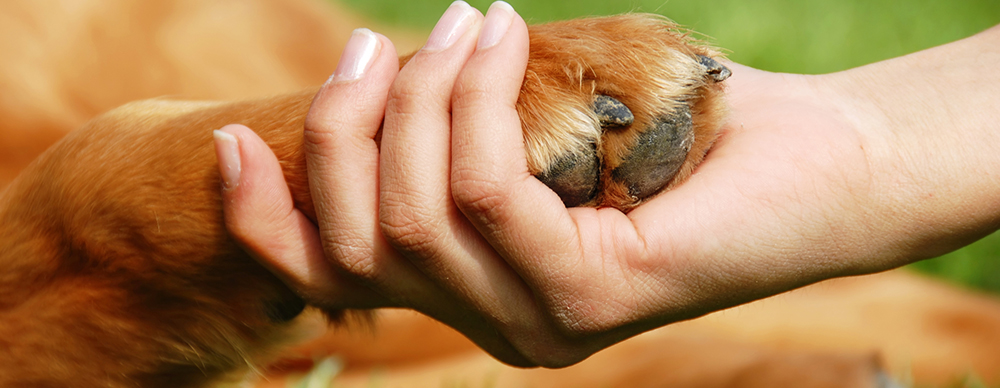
(714, 69)
(611, 113)
(658, 154)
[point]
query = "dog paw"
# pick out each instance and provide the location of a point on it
(618, 109)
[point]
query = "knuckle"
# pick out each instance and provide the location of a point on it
(584, 315)
(477, 192)
(406, 227)
(555, 354)
(317, 139)
(472, 100)
(320, 123)
(409, 96)
(353, 256)
(546, 359)
(565, 338)
(573, 322)
(470, 91)
(363, 268)
(598, 323)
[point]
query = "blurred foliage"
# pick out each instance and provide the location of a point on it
(777, 35)
(783, 35)
(977, 265)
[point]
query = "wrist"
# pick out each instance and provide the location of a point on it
(929, 121)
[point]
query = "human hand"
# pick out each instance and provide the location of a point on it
(342, 146)
(794, 192)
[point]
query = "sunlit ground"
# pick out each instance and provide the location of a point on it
(789, 36)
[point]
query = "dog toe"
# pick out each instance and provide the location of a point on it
(618, 109)
(657, 154)
(575, 177)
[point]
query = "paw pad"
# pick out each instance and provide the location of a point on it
(618, 109)
(657, 155)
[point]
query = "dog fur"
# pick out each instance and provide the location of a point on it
(116, 269)
(115, 248)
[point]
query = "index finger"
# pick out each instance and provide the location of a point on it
(558, 252)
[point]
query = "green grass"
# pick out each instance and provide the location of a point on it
(790, 36)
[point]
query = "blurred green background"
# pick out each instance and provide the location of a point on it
(783, 35)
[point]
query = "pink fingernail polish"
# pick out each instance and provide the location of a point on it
(498, 20)
(227, 150)
(358, 56)
(452, 25)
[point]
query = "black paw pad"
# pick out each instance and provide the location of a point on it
(574, 177)
(658, 154)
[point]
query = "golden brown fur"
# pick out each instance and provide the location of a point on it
(65, 61)
(117, 232)
(116, 271)
(120, 269)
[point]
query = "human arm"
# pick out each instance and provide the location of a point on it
(814, 177)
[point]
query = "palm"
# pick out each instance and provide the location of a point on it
(787, 175)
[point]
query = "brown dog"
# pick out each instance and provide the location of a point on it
(117, 270)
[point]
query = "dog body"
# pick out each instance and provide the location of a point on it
(66, 62)
(111, 278)
(117, 253)
(117, 269)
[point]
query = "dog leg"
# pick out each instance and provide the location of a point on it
(117, 268)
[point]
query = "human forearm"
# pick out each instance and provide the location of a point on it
(931, 124)
(799, 188)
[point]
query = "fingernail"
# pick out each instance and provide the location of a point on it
(497, 23)
(358, 56)
(227, 150)
(453, 24)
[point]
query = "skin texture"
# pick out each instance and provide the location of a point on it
(814, 177)
(117, 267)
(118, 271)
(345, 136)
